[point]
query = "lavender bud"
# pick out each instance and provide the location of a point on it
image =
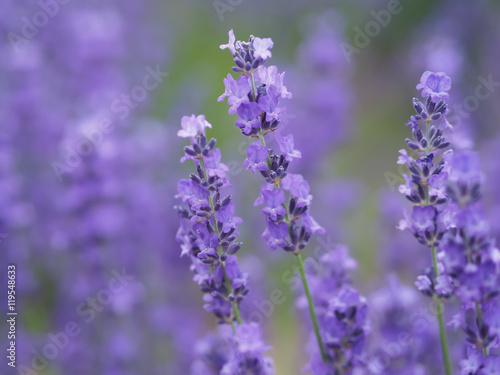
(436, 116)
(195, 178)
(239, 62)
(188, 150)
(196, 149)
(226, 200)
(419, 107)
(233, 249)
(212, 144)
(412, 144)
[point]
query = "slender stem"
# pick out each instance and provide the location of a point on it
(236, 310)
(479, 313)
(311, 305)
(263, 143)
(254, 94)
(440, 312)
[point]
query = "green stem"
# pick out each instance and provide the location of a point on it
(254, 94)
(440, 312)
(311, 305)
(236, 310)
(263, 143)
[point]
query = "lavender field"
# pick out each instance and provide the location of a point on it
(238, 187)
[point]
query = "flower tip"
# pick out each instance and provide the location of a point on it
(230, 44)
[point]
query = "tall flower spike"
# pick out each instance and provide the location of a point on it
(257, 97)
(425, 187)
(208, 236)
(208, 229)
(472, 262)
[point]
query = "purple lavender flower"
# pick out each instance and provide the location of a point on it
(287, 147)
(322, 89)
(402, 340)
(227, 218)
(262, 48)
(260, 114)
(236, 92)
(248, 349)
(226, 353)
(249, 122)
(341, 313)
(429, 219)
(256, 157)
(208, 226)
(193, 125)
(248, 56)
(207, 235)
(289, 224)
(275, 234)
(435, 86)
(471, 259)
(273, 200)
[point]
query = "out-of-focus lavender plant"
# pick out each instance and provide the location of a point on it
(425, 188)
(227, 354)
(322, 93)
(491, 197)
(472, 262)
(403, 339)
(73, 233)
(208, 237)
(341, 313)
(257, 97)
(323, 96)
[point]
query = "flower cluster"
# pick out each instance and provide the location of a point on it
(208, 227)
(207, 234)
(342, 315)
(233, 354)
(472, 260)
(256, 96)
(425, 188)
(248, 56)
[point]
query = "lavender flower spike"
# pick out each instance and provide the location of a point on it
(425, 186)
(257, 97)
(207, 235)
(208, 226)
